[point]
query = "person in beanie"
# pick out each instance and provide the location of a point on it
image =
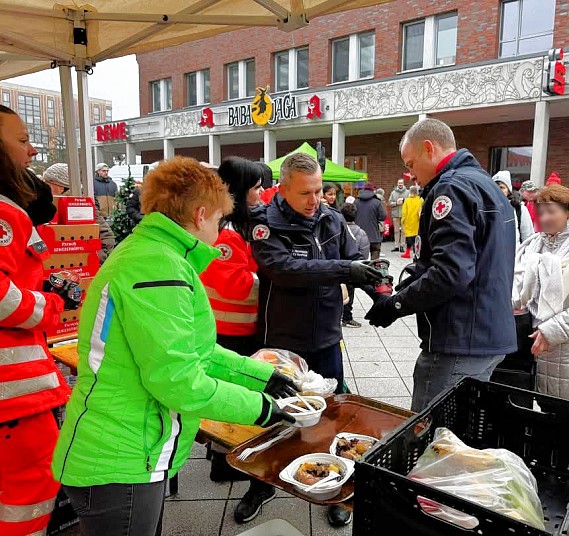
(232, 286)
(462, 283)
(396, 200)
(529, 192)
(105, 189)
(554, 178)
(410, 219)
(370, 213)
(524, 225)
(56, 177)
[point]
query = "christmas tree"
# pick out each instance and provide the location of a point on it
(121, 224)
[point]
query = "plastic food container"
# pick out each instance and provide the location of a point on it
(328, 490)
(348, 435)
(310, 418)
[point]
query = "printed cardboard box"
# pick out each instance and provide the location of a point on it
(71, 238)
(84, 264)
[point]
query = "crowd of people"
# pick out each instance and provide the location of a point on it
(219, 265)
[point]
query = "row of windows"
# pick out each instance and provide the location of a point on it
(526, 27)
(30, 109)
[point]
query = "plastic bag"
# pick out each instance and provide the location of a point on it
(494, 478)
(292, 365)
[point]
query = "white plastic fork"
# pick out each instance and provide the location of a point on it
(332, 476)
(252, 450)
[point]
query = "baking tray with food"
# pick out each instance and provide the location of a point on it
(349, 425)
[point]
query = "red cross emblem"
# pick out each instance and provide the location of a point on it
(6, 233)
(226, 251)
(442, 207)
(261, 232)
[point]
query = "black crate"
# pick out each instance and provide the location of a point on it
(483, 416)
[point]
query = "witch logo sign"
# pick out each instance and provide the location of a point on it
(262, 107)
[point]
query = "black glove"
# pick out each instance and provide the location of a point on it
(272, 414)
(280, 386)
(364, 274)
(66, 284)
(384, 312)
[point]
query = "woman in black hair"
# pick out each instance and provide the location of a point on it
(233, 289)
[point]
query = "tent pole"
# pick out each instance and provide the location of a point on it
(86, 158)
(69, 128)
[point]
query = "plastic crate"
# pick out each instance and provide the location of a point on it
(483, 416)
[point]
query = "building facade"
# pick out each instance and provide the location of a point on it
(357, 80)
(42, 111)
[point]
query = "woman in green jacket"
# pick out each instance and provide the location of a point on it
(149, 366)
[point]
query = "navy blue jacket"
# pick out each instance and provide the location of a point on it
(301, 265)
(370, 211)
(465, 266)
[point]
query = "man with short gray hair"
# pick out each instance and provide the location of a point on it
(304, 251)
(462, 285)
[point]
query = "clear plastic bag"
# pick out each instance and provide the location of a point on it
(494, 478)
(294, 366)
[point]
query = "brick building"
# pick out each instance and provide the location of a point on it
(356, 80)
(42, 111)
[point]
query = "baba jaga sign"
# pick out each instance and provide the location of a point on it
(264, 110)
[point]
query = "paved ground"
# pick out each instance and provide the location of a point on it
(378, 364)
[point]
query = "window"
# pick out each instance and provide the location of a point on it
(517, 160)
(161, 94)
(353, 57)
(29, 111)
(198, 87)
(108, 114)
(527, 27)
(291, 69)
(357, 163)
(6, 98)
(50, 113)
(241, 79)
(430, 42)
(96, 114)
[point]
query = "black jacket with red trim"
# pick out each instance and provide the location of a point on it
(301, 265)
(465, 251)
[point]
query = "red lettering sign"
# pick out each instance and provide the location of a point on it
(112, 132)
(555, 84)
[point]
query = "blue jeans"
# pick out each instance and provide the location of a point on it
(435, 372)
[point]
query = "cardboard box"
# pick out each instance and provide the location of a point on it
(84, 264)
(74, 210)
(68, 324)
(71, 238)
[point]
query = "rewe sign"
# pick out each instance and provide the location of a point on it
(112, 132)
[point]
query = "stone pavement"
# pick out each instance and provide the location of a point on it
(378, 363)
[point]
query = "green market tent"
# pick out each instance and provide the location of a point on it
(334, 172)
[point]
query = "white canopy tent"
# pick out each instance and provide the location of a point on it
(39, 34)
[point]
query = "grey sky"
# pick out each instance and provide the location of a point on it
(115, 80)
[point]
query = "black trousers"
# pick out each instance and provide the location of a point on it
(119, 509)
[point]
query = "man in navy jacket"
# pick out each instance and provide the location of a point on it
(461, 290)
(304, 251)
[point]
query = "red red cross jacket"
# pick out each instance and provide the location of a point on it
(232, 285)
(29, 380)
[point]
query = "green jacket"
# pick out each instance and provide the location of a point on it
(149, 367)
